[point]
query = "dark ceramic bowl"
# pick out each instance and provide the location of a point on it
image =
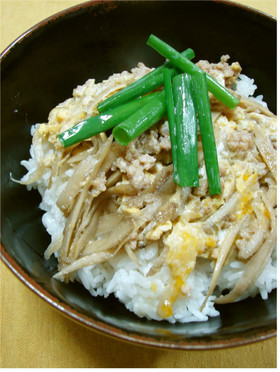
(95, 39)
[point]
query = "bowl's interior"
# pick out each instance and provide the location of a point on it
(94, 41)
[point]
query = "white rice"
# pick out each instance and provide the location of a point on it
(247, 87)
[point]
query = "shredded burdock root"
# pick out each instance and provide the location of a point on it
(112, 199)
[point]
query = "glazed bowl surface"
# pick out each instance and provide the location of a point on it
(94, 40)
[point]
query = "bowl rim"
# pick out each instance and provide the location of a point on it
(79, 317)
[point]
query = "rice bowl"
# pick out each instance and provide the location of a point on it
(23, 252)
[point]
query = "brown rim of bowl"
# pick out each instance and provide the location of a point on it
(85, 320)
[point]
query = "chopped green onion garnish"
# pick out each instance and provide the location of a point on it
(186, 132)
(186, 65)
(141, 86)
(203, 109)
(171, 119)
(100, 123)
(140, 121)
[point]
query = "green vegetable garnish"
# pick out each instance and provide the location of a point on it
(203, 109)
(140, 121)
(100, 123)
(186, 132)
(171, 119)
(186, 65)
(146, 84)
